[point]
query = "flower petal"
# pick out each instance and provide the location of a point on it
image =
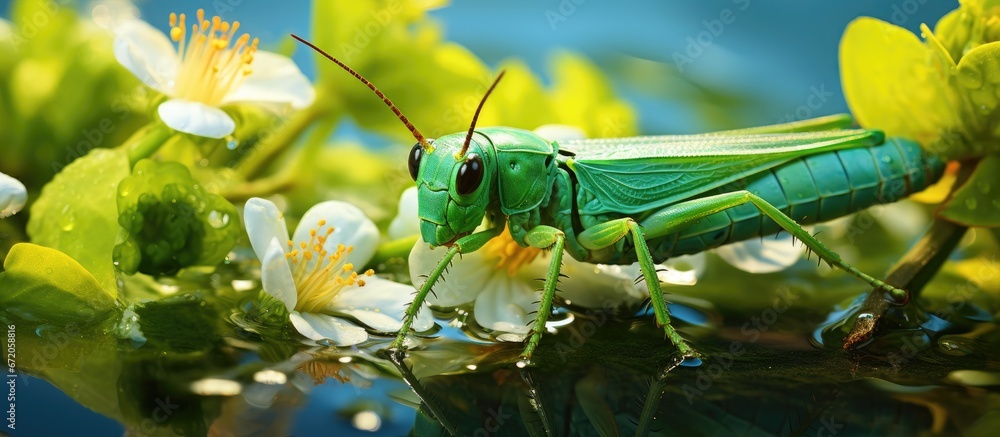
(592, 286)
(406, 222)
(275, 78)
(196, 118)
(148, 54)
(339, 332)
(886, 72)
(380, 305)
(504, 305)
(264, 223)
(466, 277)
(351, 227)
(276, 275)
(13, 196)
(767, 255)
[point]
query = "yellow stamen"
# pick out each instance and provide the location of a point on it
(510, 255)
(213, 62)
(318, 275)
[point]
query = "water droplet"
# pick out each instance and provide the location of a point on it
(218, 220)
(270, 377)
(971, 203)
(522, 364)
(232, 143)
(216, 387)
(691, 362)
(886, 159)
(67, 220)
(955, 346)
(42, 329)
(970, 77)
(367, 420)
(123, 193)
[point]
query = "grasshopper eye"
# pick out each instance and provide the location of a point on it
(416, 153)
(470, 175)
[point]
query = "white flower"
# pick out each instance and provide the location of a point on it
(210, 67)
(13, 195)
(313, 272)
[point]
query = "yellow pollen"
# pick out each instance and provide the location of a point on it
(213, 60)
(319, 276)
(510, 256)
(321, 223)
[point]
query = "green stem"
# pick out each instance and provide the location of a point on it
(284, 138)
(146, 141)
(288, 177)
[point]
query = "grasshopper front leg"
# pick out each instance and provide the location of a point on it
(544, 237)
(466, 244)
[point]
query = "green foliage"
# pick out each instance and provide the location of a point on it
(61, 91)
(76, 212)
(448, 79)
(976, 203)
(170, 222)
(942, 92)
(45, 285)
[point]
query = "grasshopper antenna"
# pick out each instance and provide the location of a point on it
(424, 144)
(468, 137)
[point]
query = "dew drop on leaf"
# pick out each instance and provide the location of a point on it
(218, 220)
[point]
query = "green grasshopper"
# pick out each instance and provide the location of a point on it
(646, 199)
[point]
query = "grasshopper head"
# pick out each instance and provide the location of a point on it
(453, 189)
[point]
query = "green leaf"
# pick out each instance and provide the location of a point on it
(170, 222)
(976, 203)
(76, 213)
(45, 285)
(375, 38)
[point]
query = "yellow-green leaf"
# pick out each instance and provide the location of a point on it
(77, 212)
(977, 203)
(46, 285)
